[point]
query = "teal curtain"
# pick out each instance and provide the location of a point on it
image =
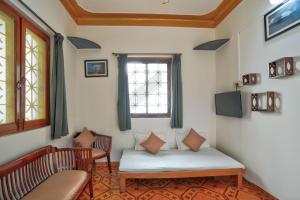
(59, 121)
(176, 115)
(123, 94)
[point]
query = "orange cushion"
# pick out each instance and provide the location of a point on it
(85, 138)
(193, 140)
(65, 185)
(153, 143)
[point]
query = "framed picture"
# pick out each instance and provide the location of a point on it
(96, 68)
(282, 18)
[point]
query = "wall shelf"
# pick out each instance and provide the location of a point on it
(283, 67)
(265, 102)
(82, 43)
(212, 45)
(250, 79)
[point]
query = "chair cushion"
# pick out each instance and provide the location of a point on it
(153, 143)
(193, 140)
(97, 153)
(85, 138)
(64, 185)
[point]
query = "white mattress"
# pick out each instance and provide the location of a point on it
(176, 160)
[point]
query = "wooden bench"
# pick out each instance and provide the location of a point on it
(47, 173)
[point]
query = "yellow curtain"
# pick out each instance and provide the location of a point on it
(35, 76)
(8, 67)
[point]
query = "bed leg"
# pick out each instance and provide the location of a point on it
(122, 184)
(239, 180)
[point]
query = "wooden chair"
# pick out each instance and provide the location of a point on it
(101, 147)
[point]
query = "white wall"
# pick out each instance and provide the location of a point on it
(12, 146)
(266, 143)
(96, 98)
(92, 102)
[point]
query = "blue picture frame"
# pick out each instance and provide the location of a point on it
(282, 18)
(96, 68)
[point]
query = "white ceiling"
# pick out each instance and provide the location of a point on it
(180, 7)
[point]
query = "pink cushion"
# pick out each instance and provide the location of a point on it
(193, 140)
(85, 138)
(153, 143)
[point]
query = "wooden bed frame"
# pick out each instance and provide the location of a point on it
(181, 174)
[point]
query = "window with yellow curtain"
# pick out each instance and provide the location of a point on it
(35, 66)
(7, 71)
(24, 73)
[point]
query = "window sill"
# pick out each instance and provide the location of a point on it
(150, 116)
(4, 131)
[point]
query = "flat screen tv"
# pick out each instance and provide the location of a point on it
(229, 104)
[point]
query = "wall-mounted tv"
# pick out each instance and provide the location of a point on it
(229, 104)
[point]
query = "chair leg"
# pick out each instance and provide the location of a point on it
(109, 163)
(94, 165)
(91, 189)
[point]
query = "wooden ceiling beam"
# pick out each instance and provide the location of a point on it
(210, 20)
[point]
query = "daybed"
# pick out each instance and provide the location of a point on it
(48, 173)
(177, 164)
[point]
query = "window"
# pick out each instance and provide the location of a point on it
(7, 79)
(149, 86)
(24, 73)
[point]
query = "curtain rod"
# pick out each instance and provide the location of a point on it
(116, 54)
(37, 16)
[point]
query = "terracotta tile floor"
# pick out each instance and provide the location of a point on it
(106, 186)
